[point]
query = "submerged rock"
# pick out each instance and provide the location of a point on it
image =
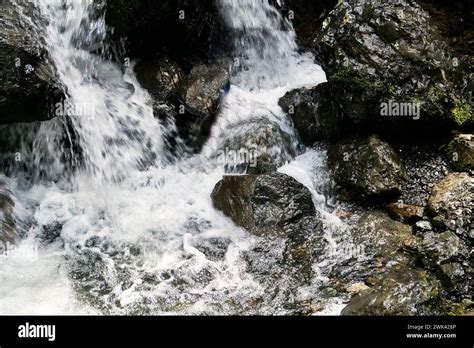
(460, 152)
(28, 90)
(367, 167)
(272, 205)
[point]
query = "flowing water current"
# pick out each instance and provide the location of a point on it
(128, 232)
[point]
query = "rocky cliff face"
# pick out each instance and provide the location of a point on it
(28, 91)
(375, 53)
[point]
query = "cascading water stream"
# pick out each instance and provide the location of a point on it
(266, 65)
(134, 235)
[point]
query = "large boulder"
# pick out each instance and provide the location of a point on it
(28, 90)
(273, 205)
(368, 167)
(380, 56)
(460, 152)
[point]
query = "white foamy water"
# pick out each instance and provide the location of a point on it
(134, 235)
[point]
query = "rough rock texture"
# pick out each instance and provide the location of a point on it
(439, 248)
(271, 204)
(400, 291)
(161, 77)
(27, 91)
(189, 100)
(460, 152)
(8, 232)
(203, 88)
(451, 204)
(383, 237)
(199, 99)
(370, 247)
(426, 166)
(448, 256)
(265, 141)
(454, 23)
(307, 16)
(303, 107)
(372, 54)
(449, 252)
(367, 166)
(405, 212)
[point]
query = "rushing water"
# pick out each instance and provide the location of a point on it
(128, 233)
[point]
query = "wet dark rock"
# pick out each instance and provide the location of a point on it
(454, 24)
(400, 291)
(448, 256)
(161, 78)
(372, 55)
(460, 152)
(306, 17)
(426, 166)
(304, 108)
(451, 203)
(372, 246)
(28, 90)
(368, 167)
(382, 236)
(405, 212)
(263, 147)
(270, 205)
(200, 95)
(203, 88)
(50, 233)
(454, 278)
(439, 248)
(214, 248)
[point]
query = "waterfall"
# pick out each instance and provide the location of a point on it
(110, 112)
(132, 234)
(266, 65)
